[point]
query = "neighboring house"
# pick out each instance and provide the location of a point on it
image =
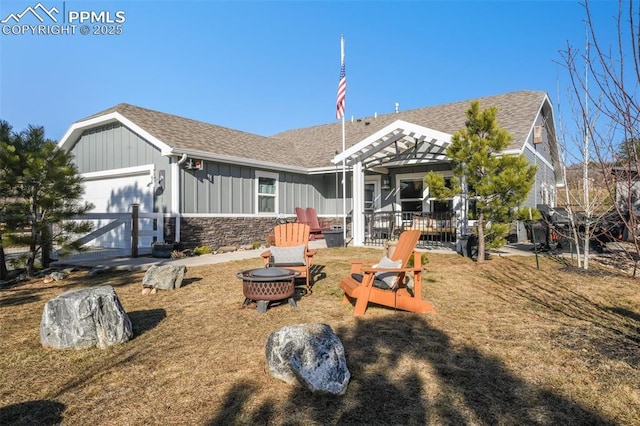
(219, 186)
(627, 188)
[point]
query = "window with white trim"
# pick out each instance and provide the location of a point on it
(412, 193)
(372, 200)
(266, 192)
(437, 206)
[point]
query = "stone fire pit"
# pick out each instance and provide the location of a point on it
(264, 285)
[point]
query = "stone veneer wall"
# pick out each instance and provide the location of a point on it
(218, 232)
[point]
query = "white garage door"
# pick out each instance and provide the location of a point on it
(114, 192)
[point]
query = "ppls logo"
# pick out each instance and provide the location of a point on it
(38, 11)
(40, 20)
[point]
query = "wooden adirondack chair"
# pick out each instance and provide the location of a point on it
(293, 235)
(314, 222)
(310, 217)
(399, 296)
(301, 214)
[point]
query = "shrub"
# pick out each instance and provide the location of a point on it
(201, 250)
(176, 254)
(423, 258)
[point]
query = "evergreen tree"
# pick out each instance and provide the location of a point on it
(497, 182)
(9, 162)
(629, 151)
(47, 192)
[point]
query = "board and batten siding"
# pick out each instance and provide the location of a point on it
(221, 188)
(317, 191)
(544, 176)
(217, 189)
(542, 147)
(114, 146)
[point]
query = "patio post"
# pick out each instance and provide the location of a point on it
(358, 204)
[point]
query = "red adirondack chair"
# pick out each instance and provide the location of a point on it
(309, 217)
(314, 223)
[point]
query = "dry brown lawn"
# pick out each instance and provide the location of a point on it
(509, 344)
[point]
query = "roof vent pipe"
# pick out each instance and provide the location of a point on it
(397, 107)
(352, 118)
(183, 159)
(375, 115)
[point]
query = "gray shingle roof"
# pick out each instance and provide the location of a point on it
(516, 113)
(316, 146)
(184, 133)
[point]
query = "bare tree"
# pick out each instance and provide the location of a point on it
(604, 85)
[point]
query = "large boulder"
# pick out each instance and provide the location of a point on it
(164, 277)
(310, 354)
(85, 318)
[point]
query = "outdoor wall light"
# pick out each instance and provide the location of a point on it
(161, 179)
(386, 182)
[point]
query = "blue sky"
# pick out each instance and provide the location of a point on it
(266, 67)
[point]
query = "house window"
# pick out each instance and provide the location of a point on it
(439, 206)
(473, 209)
(266, 192)
(369, 197)
(411, 193)
(448, 183)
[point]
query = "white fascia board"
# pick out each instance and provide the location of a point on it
(517, 151)
(126, 171)
(325, 170)
(528, 137)
(401, 125)
(76, 129)
(544, 101)
(237, 160)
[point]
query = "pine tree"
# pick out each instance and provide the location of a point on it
(9, 162)
(497, 182)
(47, 192)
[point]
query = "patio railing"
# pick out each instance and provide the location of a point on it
(436, 228)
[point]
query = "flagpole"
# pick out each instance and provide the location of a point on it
(344, 186)
(344, 160)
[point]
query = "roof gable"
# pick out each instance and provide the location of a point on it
(394, 142)
(517, 112)
(175, 135)
(307, 148)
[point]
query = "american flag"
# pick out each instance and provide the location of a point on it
(342, 89)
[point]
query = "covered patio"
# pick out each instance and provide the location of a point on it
(381, 207)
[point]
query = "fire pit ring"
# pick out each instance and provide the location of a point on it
(264, 285)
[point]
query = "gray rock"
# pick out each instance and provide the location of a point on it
(57, 276)
(85, 318)
(310, 354)
(98, 270)
(227, 249)
(164, 277)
